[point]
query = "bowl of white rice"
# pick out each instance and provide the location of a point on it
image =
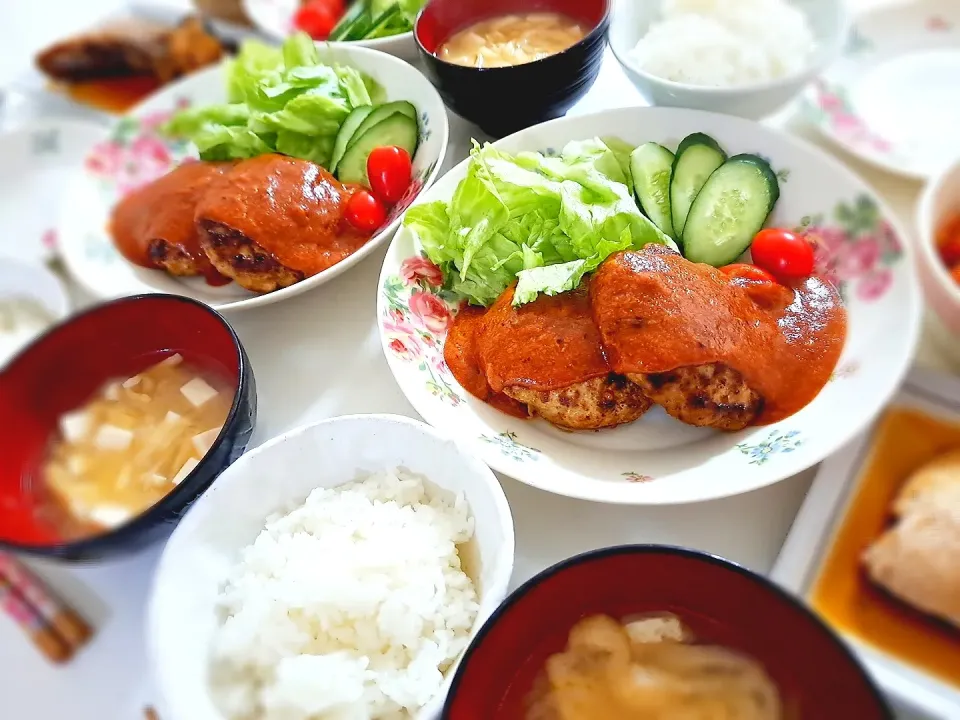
(336, 572)
(739, 57)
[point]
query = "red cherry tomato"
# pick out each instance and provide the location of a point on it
(365, 212)
(955, 274)
(948, 242)
(389, 170)
(782, 253)
(318, 17)
(744, 271)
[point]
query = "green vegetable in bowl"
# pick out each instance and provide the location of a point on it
(371, 19)
(542, 221)
(281, 100)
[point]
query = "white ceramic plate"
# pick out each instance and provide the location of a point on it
(811, 536)
(657, 460)
(275, 19)
(38, 162)
(892, 97)
(134, 153)
(229, 516)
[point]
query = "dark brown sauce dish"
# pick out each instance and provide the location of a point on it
(503, 100)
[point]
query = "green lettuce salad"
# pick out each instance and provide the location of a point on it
(542, 221)
(282, 100)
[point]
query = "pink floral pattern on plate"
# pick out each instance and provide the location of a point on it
(832, 108)
(855, 248)
(136, 153)
(416, 316)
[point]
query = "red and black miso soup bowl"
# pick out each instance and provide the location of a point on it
(66, 367)
(503, 100)
(720, 602)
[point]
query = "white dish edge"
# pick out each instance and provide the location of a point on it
(814, 528)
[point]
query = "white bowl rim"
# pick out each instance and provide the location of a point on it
(927, 228)
(52, 294)
(830, 51)
(502, 573)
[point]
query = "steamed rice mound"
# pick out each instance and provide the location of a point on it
(349, 607)
(725, 43)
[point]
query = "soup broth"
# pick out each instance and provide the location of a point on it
(648, 667)
(134, 442)
(512, 40)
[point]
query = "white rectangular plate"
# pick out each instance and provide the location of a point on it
(813, 531)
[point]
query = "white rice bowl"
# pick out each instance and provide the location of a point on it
(725, 43)
(289, 592)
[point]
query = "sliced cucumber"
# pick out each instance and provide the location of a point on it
(382, 24)
(730, 209)
(651, 166)
(355, 15)
(698, 155)
(397, 129)
(346, 132)
(381, 113)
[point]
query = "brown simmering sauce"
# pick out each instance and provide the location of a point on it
(905, 440)
(163, 211)
(293, 209)
(548, 344)
(657, 312)
(113, 95)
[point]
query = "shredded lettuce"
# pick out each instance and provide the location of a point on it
(543, 222)
(279, 100)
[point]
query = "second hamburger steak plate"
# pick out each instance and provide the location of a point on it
(282, 200)
(680, 306)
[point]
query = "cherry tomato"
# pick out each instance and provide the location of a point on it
(950, 251)
(955, 274)
(748, 272)
(389, 171)
(782, 253)
(318, 17)
(948, 242)
(365, 212)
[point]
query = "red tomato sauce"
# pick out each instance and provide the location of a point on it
(163, 211)
(658, 312)
(652, 311)
(294, 209)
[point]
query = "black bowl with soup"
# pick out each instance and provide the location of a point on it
(506, 65)
(115, 421)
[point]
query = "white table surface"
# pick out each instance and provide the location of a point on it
(316, 356)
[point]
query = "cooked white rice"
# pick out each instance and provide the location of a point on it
(725, 43)
(350, 606)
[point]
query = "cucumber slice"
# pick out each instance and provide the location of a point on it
(651, 166)
(397, 129)
(381, 25)
(381, 113)
(698, 155)
(356, 14)
(730, 209)
(354, 120)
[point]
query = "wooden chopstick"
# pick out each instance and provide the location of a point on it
(54, 648)
(55, 627)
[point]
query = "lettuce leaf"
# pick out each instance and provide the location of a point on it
(282, 100)
(543, 222)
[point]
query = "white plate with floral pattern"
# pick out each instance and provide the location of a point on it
(135, 153)
(657, 460)
(38, 161)
(892, 99)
